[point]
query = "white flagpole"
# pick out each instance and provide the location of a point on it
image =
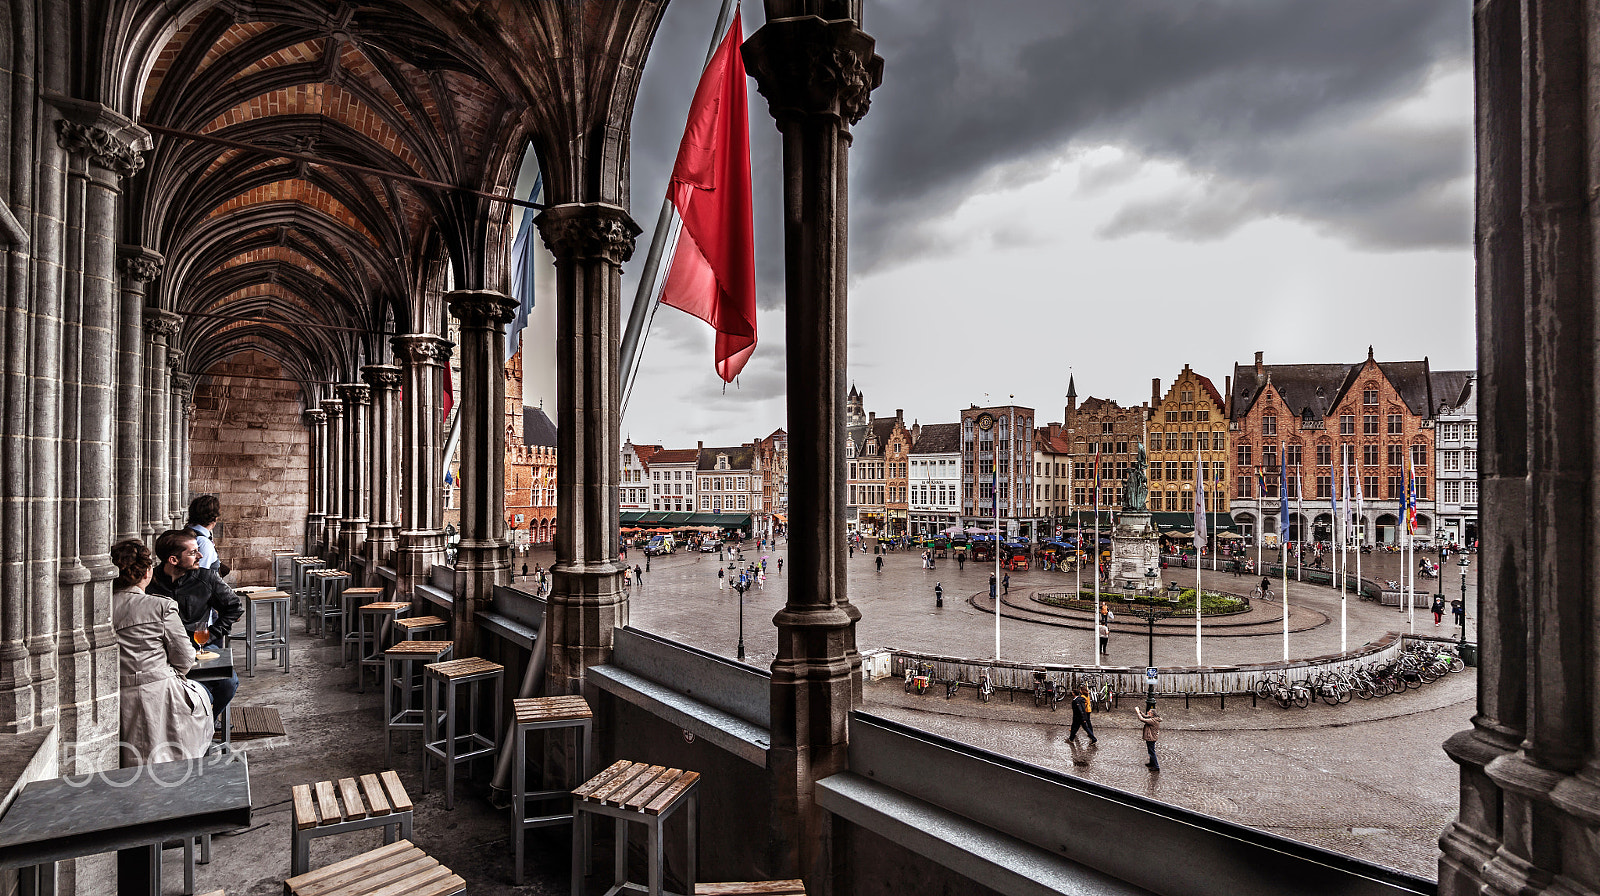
(1361, 534)
(1200, 540)
(1283, 545)
(1300, 510)
(1095, 556)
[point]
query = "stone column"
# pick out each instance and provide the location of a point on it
(423, 356)
(587, 603)
(316, 477)
(353, 528)
(381, 533)
(817, 76)
(163, 327)
(178, 396)
(484, 560)
(139, 266)
(333, 519)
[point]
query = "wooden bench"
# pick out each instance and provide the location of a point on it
(753, 888)
(398, 869)
(329, 807)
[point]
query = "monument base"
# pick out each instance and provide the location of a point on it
(1135, 553)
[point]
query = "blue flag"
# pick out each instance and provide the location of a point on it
(522, 271)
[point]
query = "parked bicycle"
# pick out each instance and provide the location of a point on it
(1047, 691)
(985, 686)
(918, 678)
(1102, 696)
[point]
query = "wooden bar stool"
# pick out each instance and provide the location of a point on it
(283, 571)
(545, 714)
(300, 582)
(399, 869)
(327, 808)
(351, 600)
(450, 734)
(275, 637)
(375, 625)
(402, 686)
(641, 794)
(423, 628)
(326, 601)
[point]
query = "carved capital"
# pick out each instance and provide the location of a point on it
(481, 307)
(810, 66)
(422, 348)
(162, 324)
(353, 393)
(187, 409)
(381, 376)
(577, 231)
(182, 382)
(332, 408)
(101, 146)
(314, 418)
(139, 264)
(174, 359)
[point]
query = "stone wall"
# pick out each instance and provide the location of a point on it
(251, 449)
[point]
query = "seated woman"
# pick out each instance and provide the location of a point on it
(165, 716)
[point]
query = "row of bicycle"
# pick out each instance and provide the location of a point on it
(920, 678)
(1419, 663)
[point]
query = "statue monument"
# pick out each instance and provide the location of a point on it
(1135, 543)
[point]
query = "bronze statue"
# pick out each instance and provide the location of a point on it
(1136, 486)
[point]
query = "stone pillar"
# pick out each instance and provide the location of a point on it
(163, 327)
(1529, 816)
(817, 76)
(316, 477)
(139, 266)
(185, 416)
(353, 528)
(587, 602)
(333, 519)
(484, 559)
(423, 356)
(177, 397)
(381, 533)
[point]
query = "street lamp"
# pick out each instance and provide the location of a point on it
(1463, 564)
(740, 588)
(1150, 613)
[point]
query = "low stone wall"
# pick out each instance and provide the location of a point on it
(1174, 680)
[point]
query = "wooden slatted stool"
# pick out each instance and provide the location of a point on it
(753, 888)
(452, 733)
(325, 603)
(327, 807)
(545, 714)
(300, 591)
(374, 629)
(423, 628)
(398, 869)
(273, 638)
(283, 570)
(402, 686)
(351, 600)
(641, 794)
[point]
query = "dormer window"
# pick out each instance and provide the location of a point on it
(722, 461)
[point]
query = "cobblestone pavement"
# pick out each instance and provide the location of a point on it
(1366, 778)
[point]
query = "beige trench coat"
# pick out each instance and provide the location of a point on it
(165, 716)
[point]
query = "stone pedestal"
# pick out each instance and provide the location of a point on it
(1135, 553)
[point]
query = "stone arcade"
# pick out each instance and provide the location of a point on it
(195, 190)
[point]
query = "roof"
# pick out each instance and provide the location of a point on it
(883, 428)
(740, 458)
(675, 456)
(938, 438)
(1211, 389)
(1451, 388)
(1302, 386)
(1412, 381)
(537, 429)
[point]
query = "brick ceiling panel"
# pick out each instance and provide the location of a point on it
(169, 55)
(301, 193)
(234, 38)
(305, 52)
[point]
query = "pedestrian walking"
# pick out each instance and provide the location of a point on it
(991, 586)
(1005, 582)
(879, 558)
(1459, 610)
(722, 582)
(1152, 732)
(1082, 707)
(938, 594)
(1438, 610)
(761, 579)
(852, 550)
(961, 561)
(1105, 637)
(780, 566)
(638, 574)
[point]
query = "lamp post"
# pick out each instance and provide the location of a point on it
(1463, 565)
(740, 587)
(1150, 613)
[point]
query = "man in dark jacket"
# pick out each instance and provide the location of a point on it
(204, 601)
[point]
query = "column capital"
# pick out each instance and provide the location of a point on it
(182, 382)
(162, 324)
(809, 66)
(104, 148)
(353, 393)
(595, 230)
(332, 409)
(381, 376)
(315, 417)
(139, 264)
(481, 307)
(422, 348)
(174, 358)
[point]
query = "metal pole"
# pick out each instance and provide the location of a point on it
(741, 624)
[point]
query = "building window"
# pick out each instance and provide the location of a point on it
(1369, 487)
(1187, 416)
(1291, 455)
(1324, 486)
(1347, 454)
(1369, 396)
(1396, 455)
(1172, 441)
(1188, 471)
(1122, 447)
(1469, 460)
(1422, 488)
(1450, 491)
(1469, 433)
(1172, 500)
(1188, 441)
(1155, 471)
(1203, 416)
(1395, 426)
(1324, 455)
(1246, 487)
(1369, 425)
(1172, 417)
(1369, 455)
(705, 501)
(1269, 425)
(742, 503)
(1394, 488)
(1419, 455)
(1080, 495)
(1450, 461)
(1204, 439)
(1269, 456)
(1244, 456)
(1469, 491)
(1347, 424)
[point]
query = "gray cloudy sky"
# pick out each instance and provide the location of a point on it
(1110, 188)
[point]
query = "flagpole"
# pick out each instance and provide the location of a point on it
(658, 240)
(1361, 535)
(1200, 535)
(1341, 530)
(1283, 544)
(1300, 508)
(994, 467)
(1095, 557)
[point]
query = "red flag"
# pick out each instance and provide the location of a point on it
(713, 274)
(449, 399)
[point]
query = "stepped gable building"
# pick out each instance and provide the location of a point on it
(1190, 421)
(1455, 467)
(935, 477)
(1116, 431)
(773, 452)
(1001, 457)
(635, 479)
(1374, 416)
(896, 440)
(536, 461)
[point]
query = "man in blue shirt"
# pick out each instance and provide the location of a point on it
(204, 512)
